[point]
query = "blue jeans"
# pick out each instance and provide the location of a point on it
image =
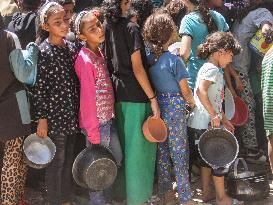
(108, 138)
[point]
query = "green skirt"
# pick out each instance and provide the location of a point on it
(136, 176)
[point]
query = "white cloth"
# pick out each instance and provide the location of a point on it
(244, 31)
(200, 118)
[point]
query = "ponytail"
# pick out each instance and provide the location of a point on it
(207, 17)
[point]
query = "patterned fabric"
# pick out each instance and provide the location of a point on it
(175, 149)
(56, 92)
(267, 89)
(13, 173)
(96, 93)
(247, 132)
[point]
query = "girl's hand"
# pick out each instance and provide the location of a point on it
(239, 84)
(215, 120)
(42, 128)
(227, 124)
(155, 108)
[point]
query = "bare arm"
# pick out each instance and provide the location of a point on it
(185, 49)
(202, 93)
(143, 80)
(186, 92)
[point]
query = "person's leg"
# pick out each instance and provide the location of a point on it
(247, 132)
(205, 182)
(53, 175)
(13, 172)
(66, 186)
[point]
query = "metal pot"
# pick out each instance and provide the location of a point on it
(38, 152)
(218, 148)
(95, 168)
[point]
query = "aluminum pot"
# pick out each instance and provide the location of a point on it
(95, 168)
(38, 152)
(219, 148)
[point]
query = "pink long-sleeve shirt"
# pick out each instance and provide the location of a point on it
(96, 93)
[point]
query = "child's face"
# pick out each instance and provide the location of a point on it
(125, 5)
(225, 58)
(92, 31)
(69, 11)
(56, 24)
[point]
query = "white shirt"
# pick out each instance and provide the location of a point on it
(200, 118)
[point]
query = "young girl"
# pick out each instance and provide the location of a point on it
(218, 49)
(56, 100)
(256, 16)
(127, 64)
(14, 123)
(169, 76)
(96, 92)
(267, 89)
(194, 28)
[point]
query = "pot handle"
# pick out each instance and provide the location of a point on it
(236, 166)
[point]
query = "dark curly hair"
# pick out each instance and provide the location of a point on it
(203, 8)
(142, 9)
(158, 30)
(176, 9)
(112, 10)
(216, 41)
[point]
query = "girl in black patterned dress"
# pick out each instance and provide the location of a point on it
(56, 101)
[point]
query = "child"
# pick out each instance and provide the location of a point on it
(218, 49)
(14, 124)
(169, 76)
(127, 64)
(267, 89)
(256, 16)
(56, 100)
(96, 92)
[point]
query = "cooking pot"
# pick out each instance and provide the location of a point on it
(38, 152)
(95, 168)
(218, 148)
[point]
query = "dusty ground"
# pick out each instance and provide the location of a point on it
(35, 197)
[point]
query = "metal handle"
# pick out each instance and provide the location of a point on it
(236, 166)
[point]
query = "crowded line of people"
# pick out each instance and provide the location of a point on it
(102, 71)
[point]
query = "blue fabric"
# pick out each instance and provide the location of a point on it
(193, 25)
(24, 63)
(174, 152)
(167, 72)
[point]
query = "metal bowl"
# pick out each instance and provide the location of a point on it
(39, 152)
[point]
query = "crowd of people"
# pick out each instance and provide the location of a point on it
(98, 69)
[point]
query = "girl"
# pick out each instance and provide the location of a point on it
(14, 124)
(126, 62)
(55, 96)
(96, 92)
(267, 78)
(257, 16)
(169, 76)
(218, 49)
(194, 28)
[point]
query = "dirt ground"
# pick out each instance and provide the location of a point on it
(36, 197)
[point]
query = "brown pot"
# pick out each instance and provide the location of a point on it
(155, 130)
